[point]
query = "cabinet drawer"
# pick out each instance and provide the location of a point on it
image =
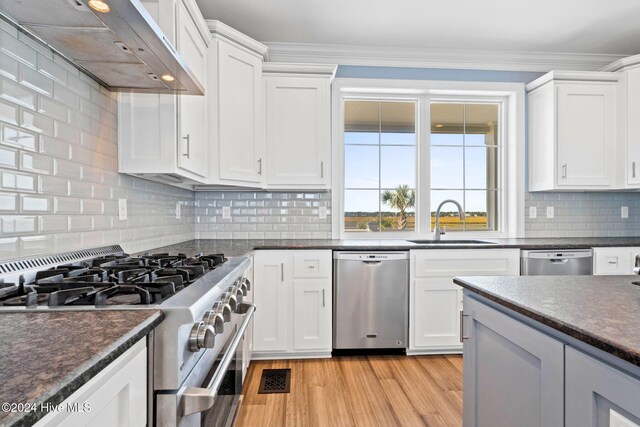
(312, 264)
(613, 260)
(466, 262)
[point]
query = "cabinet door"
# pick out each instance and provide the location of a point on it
(297, 129)
(513, 374)
(193, 142)
(612, 261)
(116, 396)
(585, 134)
(240, 140)
(436, 314)
(312, 314)
(633, 125)
(272, 272)
(598, 395)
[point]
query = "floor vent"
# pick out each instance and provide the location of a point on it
(275, 381)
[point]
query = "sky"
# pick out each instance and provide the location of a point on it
(393, 163)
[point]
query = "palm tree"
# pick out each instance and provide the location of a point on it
(401, 199)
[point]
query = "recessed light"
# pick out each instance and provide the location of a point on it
(168, 78)
(99, 6)
(439, 126)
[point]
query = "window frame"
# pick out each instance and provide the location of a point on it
(512, 128)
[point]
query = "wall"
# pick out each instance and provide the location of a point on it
(58, 163)
(262, 215)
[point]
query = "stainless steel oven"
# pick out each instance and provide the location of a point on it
(211, 394)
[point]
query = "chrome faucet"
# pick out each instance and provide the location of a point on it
(437, 232)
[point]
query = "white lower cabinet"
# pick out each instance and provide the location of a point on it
(116, 396)
(292, 294)
(435, 302)
(614, 261)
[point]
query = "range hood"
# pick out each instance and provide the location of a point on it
(124, 49)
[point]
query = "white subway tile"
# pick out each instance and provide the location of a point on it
(52, 109)
(54, 147)
(53, 185)
(16, 48)
(8, 112)
(65, 96)
(80, 223)
(35, 44)
(91, 206)
(80, 189)
(67, 169)
(91, 109)
(81, 154)
(80, 87)
(18, 224)
(67, 205)
(8, 158)
(103, 192)
(66, 64)
(35, 80)
(79, 120)
(36, 245)
(38, 163)
(18, 181)
(102, 222)
(66, 133)
(92, 239)
(92, 174)
(8, 202)
(18, 138)
(30, 203)
(17, 93)
(53, 223)
(37, 122)
(55, 71)
(8, 67)
(9, 247)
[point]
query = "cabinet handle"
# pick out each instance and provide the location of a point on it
(633, 169)
(282, 272)
(613, 262)
(462, 316)
(323, 298)
(322, 170)
(188, 139)
(564, 171)
(260, 166)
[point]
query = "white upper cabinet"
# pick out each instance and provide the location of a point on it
(572, 131)
(235, 108)
(628, 120)
(298, 121)
(164, 137)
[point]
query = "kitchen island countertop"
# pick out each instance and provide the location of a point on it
(601, 311)
(46, 356)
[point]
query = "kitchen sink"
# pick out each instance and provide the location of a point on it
(452, 242)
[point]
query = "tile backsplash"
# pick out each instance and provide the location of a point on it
(262, 215)
(583, 215)
(59, 186)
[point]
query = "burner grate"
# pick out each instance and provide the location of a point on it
(275, 381)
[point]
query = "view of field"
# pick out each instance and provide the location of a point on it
(369, 221)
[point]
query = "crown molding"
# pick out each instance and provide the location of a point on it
(437, 58)
(623, 64)
(311, 70)
(581, 76)
(222, 30)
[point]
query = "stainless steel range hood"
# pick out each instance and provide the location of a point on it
(123, 49)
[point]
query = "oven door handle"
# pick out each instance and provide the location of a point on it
(198, 399)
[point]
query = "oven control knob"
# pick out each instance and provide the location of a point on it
(215, 319)
(201, 336)
(224, 309)
(247, 283)
(231, 299)
(243, 288)
(238, 293)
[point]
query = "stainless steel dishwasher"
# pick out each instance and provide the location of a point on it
(564, 262)
(371, 300)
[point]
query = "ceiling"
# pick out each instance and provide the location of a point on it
(571, 26)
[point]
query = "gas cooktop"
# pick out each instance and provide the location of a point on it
(110, 280)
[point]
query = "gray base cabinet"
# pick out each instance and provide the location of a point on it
(599, 395)
(513, 374)
(517, 375)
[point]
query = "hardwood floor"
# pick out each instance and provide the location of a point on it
(358, 391)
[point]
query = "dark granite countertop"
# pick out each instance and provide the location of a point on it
(46, 356)
(602, 311)
(242, 247)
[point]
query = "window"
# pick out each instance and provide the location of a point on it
(464, 164)
(379, 166)
(403, 147)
